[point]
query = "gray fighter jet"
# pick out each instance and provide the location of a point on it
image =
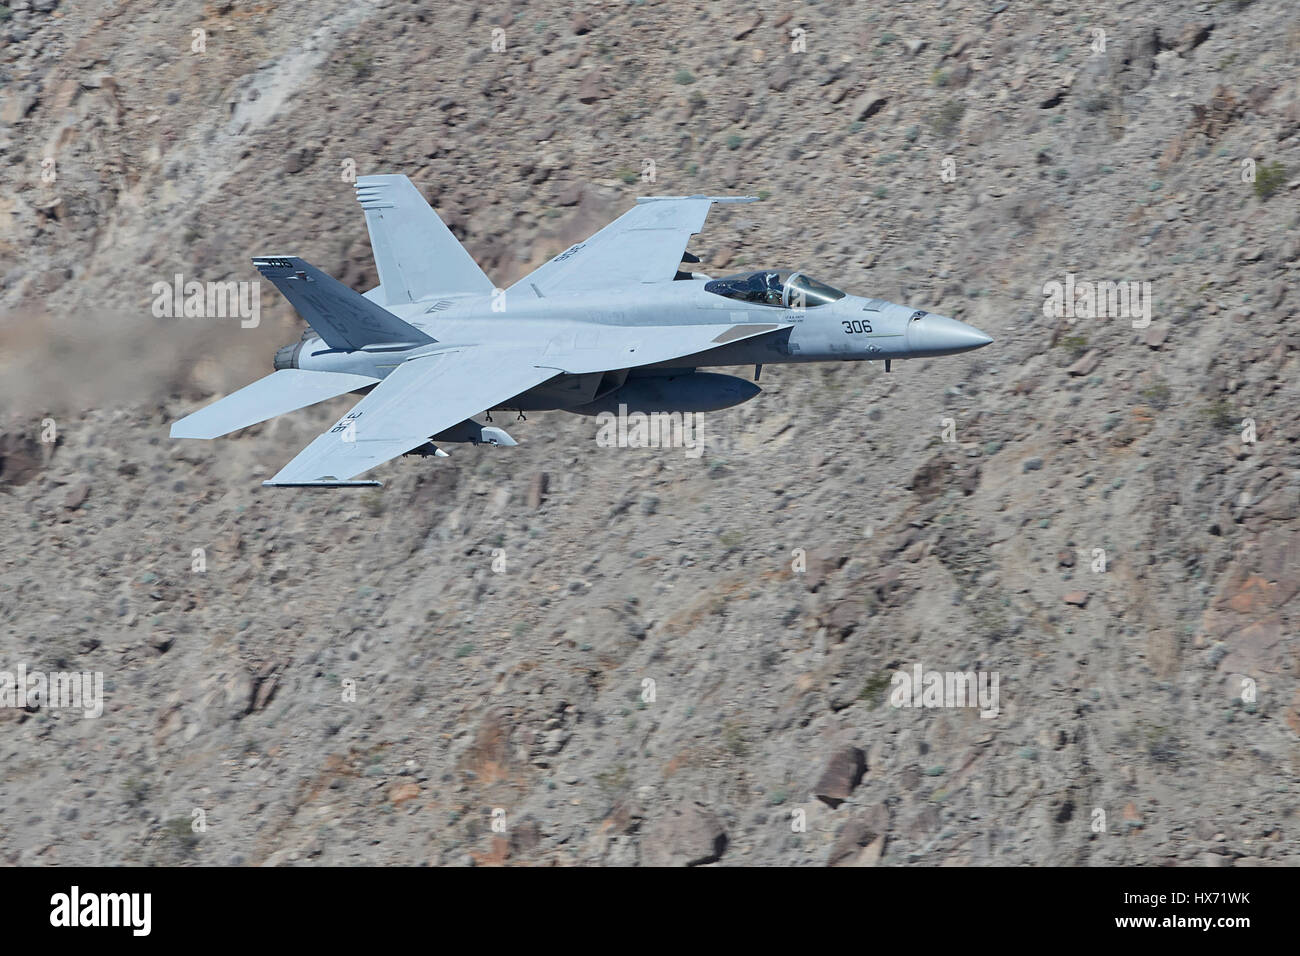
(612, 321)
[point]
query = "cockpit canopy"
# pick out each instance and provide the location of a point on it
(781, 288)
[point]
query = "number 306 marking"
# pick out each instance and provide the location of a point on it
(856, 326)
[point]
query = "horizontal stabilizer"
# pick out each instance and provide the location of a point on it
(284, 391)
(343, 318)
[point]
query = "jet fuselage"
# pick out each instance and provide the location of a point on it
(852, 328)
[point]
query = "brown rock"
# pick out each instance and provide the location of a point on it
(868, 104)
(1173, 152)
(592, 88)
(299, 159)
(1275, 560)
(1292, 714)
(524, 838)
(404, 793)
(889, 588)
(844, 617)
(842, 775)
(490, 755)
(745, 31)
(16, 105)
(960, 46)
(1277, 505)
(1193, 35)
(537, 489)
(691, 836)
(1252, 596)
(1258, 96)
(1255, 649)
(821, 562)
(21, 459)
(1077, 598)
(569, 195)
(927, 481)
(265, 693)
(861, 840)
(780, 78)
(1086, 365)
(1215, 117)
(51, 208)
(76, 495)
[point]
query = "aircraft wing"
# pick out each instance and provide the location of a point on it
(419, 398)
(428, 394)
(644, 244)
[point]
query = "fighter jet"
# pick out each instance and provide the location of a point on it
(613, 321)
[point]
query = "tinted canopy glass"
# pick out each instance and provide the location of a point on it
(776, 287)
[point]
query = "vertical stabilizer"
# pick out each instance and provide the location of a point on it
(416, 254)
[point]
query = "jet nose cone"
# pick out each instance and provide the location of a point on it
(940, 335)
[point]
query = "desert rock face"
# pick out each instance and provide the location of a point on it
(562, 653)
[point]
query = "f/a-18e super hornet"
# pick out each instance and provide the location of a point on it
(612, 321)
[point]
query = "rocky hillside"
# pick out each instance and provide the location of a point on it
(454, 669)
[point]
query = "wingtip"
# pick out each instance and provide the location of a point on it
(725, 199)
(272, 483)
(378, 179)
(178, 430)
